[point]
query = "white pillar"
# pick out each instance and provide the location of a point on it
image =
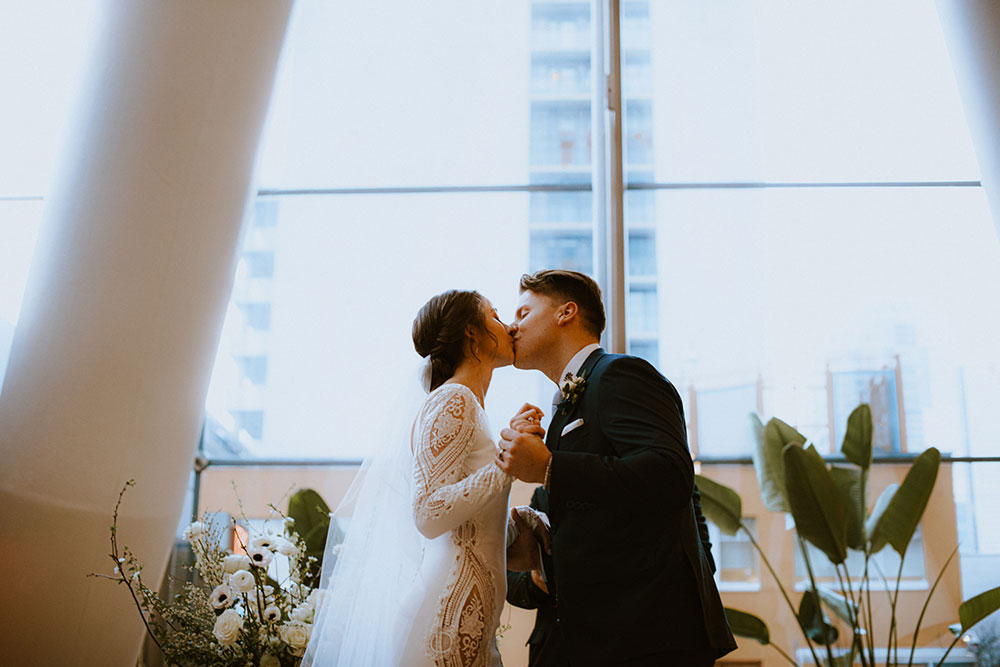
(972, 31)
(121, 317)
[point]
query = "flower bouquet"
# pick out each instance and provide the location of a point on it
(236, 614)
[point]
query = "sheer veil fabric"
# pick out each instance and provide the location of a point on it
(361, 621)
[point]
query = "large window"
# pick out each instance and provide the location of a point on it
(804, 227)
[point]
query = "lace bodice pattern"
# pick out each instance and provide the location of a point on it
(459, 506)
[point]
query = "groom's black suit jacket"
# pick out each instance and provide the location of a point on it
(630, 551)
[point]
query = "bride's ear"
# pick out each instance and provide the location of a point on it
(471, 339)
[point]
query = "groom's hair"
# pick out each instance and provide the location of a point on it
(563, 286)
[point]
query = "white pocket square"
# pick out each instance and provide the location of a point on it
(572, 425)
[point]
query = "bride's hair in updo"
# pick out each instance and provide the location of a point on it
(439, 331)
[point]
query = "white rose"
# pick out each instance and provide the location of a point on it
(302, 613)
(196, 529)
(235, 562)
(221, 597)
(242, 581)
(227, 627)
(296, 635)
(316, 598)
(261, 542)
(286, 548)
(272, 613)
(260, 557)
(268, 660)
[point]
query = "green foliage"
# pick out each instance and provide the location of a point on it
(747, 625)
(909, 502)
(815, 502)
(850, 483)
(976, 609)
(857, 446)
(311, 516)
(829, 506)
(720, 504)
(815, 622)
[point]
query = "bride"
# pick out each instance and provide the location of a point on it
(420, 579)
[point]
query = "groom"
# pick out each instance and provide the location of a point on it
(631, 566)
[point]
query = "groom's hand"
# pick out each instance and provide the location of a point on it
(523, 455)
(527, 420)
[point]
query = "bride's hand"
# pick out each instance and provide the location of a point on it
(527, 420)
(522, 554)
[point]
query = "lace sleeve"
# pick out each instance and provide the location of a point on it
(443, 499)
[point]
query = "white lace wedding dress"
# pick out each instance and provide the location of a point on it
(398, 597)
(460, 508)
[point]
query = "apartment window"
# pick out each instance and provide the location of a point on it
(737, 562)
(886, 560)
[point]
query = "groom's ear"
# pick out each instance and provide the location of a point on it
(567, 312)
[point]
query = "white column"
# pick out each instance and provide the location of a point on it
(120, 321)
(972, 31)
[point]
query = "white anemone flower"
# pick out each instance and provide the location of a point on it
(261, 557)
(221, 597)
(272, 613)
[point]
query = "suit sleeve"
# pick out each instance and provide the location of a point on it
(703, 534)
(641, 415)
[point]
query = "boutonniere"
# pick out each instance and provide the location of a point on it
(571, 389)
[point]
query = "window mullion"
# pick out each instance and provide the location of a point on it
(609, 192)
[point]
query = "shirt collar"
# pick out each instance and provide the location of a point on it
(574, 364)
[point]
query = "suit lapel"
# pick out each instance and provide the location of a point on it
(559, 419)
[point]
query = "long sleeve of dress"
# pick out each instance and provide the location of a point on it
(444, 497)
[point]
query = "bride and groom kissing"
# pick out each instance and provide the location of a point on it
(623, 550)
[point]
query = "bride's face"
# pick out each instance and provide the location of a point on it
(504, 355)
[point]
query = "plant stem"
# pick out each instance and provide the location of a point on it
(812, 582)
(866, 583)
(920, 619)
(784, 655)
(784, 593)
(892, 625)
(852, 609)
(950, 646)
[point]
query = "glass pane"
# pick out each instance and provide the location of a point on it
(317, 347)
(833, 297)
(475, 95)
(45, 48)
(767, 91)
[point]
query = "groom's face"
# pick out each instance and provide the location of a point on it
(534, 328)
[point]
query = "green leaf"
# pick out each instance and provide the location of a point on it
(312, 518)
(312, 522)
(747, 625)
(857, 446)
(838, 604)
(851, 487)
(768, 462)
(721, 505)
(976, 609)
(873, 525)
(909, 502)
(815, 502)
(815, 622)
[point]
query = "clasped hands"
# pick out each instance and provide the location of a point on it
(522, 453)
